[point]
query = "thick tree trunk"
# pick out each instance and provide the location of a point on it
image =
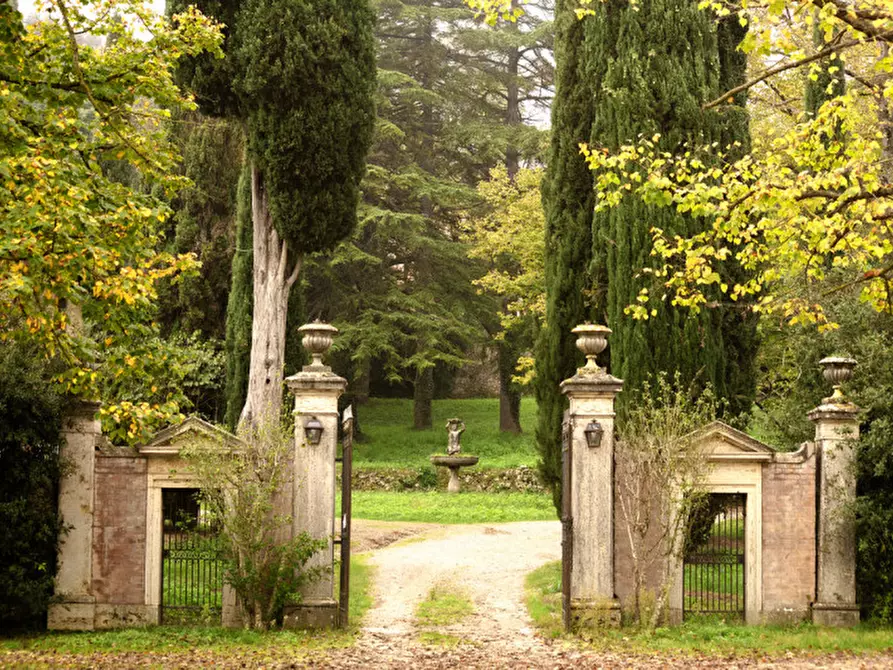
(513, 103)
(360, 384)
(509, 397)
(421, 399)
(273, 279)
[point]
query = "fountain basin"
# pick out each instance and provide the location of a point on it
(454, 463)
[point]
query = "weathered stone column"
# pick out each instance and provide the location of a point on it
(316, 389)
(836, 430)
(74, 576)
(591, 393)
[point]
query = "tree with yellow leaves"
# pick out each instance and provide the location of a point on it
(78, 249)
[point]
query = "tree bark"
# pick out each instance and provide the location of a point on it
(361, 380)
(423, 394)
(273, 279)
(513, 104)
(509, 397)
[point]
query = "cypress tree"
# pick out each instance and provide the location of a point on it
(826, 85)
(568, 201)
(300, 75)
(238, 308)
(653, 66)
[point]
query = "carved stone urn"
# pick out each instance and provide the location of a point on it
(838, 370)
(317, 340)
(591, 340)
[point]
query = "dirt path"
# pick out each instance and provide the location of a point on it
(488, 562)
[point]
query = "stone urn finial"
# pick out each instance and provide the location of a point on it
(837, 370)
(591, 340)
(317, 340)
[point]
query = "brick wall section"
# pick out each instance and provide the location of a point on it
(119, 530)
(789, 518)
(624, 579)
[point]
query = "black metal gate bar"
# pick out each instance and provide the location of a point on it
(346, 505)
(191, 564)
(714, 580)
(567, 519)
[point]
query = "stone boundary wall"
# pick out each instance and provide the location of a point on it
(428, 478)
(789, 531)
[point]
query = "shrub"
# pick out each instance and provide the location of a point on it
(30, 419)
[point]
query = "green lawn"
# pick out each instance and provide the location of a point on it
(391, 442)
(162, 639)
(442, 507)
(713, 636)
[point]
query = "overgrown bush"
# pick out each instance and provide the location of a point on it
(660, 475)
(30, 419)
(241, 491)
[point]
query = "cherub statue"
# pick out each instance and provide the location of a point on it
(455, 428)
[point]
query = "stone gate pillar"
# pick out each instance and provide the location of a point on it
(75, 609)
(316, 389)
(591, 394)
(836, 430)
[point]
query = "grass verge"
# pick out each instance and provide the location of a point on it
(442, 607)
(391, 442)
(542, 594)
(713, 637)
(441, 507)
(211, 639)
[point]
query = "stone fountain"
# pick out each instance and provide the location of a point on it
(453, 460)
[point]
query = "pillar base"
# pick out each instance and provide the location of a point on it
(72, 615)
(835, 615)
(602, 613)
(311, 614)
(454, 485)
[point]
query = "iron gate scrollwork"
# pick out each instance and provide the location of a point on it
(192, 565)
(714, 570)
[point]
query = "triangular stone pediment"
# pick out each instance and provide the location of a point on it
(725, 443)
(189, 432)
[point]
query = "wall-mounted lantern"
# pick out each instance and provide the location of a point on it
(313, 431)
(594, 433)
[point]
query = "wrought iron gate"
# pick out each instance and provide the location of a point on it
(713, 566)
(343, 540)
(567, 518)
(191, 564)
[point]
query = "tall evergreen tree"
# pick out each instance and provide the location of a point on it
(238, 308)
(401, 288)
(513, 71)
(568, 201)
(300, 74)
(203, 223)
(631, 75)
(635, 95)
(826, 80)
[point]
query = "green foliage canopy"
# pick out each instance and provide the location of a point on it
(301, 75)
(70, 234)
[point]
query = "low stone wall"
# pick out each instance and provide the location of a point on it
(428, 478)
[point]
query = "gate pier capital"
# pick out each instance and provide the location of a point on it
(316, 390)
(588, 489)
